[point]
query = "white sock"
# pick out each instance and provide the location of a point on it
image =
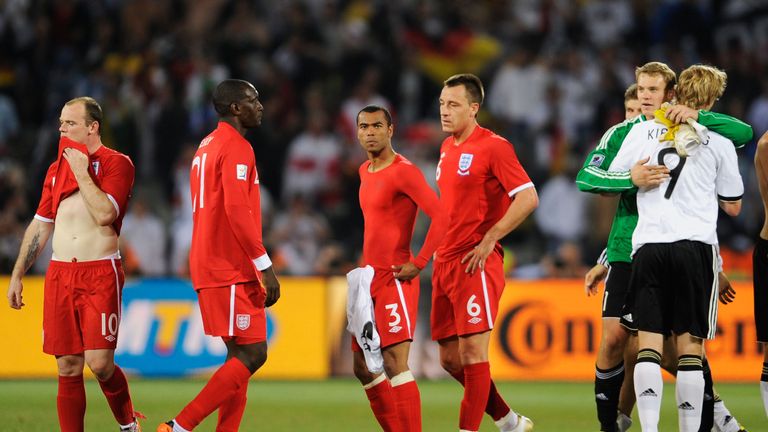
(127, 427)
(764, 393)
(724, 421)
(689, 393)
(508, 422)
(648, 390)
(177, 428)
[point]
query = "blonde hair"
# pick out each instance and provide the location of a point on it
(658, 68)
(700, 86)
(631, 92)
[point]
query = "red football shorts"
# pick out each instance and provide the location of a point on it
(395, 307)
(464, 303)
(235, 312)
(81, 306)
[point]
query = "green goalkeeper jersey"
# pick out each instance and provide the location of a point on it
(594, 175)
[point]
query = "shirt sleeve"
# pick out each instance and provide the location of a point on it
(729, 184)
(117, 181)
(238, 176)
(629, 153)
(594, 176)
(732, 128)
(416, 187)
(44, 210)
(507, 168)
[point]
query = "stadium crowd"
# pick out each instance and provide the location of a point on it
(555, 72)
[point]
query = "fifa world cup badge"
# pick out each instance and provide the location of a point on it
(465, 161)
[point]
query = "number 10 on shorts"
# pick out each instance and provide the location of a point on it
(109, 324)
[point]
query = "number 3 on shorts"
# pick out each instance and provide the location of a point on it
(392, 308)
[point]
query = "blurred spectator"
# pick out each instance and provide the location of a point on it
(143, 241)
(298, 235)
(313, 163)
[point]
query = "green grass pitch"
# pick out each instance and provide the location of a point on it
(340, 405)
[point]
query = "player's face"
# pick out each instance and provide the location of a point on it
(456, 112)
(251, 109)
(631, 108)
(373, 132)
(72, 123)
(651, 92)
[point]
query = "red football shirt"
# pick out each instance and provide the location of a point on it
(390, 199)
(112, 172)
(477, 180)
(226, 246)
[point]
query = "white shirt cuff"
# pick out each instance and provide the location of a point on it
(43, 219)
(114, 203)
(262, 263)
(514, 191)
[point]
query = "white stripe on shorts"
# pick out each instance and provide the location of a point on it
(117, 287)
(712, 322)
(232, 310)
(405, 307)
(487, 302)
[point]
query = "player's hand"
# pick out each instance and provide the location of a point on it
(476, 257)
(648, 175)
(727, 294)
(681, 113)
(272, 286)
(78, 161)
(14, 293)
(592, 279)
(405, 272)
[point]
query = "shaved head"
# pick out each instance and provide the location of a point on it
(229, 92)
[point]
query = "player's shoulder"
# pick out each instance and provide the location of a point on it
(617, 132)
(363, 168)
(112, 156)
(719, 142)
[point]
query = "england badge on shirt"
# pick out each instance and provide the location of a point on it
(95, 166)
(242, 172)
(465, 161)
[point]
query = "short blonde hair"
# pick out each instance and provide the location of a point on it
(658, 68)
(700, 86)
(631, 92)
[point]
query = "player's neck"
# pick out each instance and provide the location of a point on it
(93, 145)
(381, 160)
(235, 124)
(461, 136)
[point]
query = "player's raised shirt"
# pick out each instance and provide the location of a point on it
(227, 246)
(390, 199)
(684, 206)
(478, 180)
(111, 171)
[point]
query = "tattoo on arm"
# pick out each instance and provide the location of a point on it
(32, 250)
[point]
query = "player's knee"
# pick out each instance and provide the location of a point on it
(393, 366)
(451, 364)
(102, 368)
(362, 373)
(614, 344)
(70, 367)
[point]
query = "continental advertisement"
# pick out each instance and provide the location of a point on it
(545, 330)
(549, 330)
(161, 332)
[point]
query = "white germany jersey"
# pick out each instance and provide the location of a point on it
(685, 206)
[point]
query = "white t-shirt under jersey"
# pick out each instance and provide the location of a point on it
(684, 206)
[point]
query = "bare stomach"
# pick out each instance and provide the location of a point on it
(77, 236)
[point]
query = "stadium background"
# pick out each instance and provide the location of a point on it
(555, 72)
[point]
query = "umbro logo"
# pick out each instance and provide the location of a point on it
(474, 320)
(685, 406)
(395, 329)
(110, 338)
(601, 396)
(648, 393)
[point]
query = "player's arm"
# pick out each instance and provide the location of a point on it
(96, 201)
(595, 176)
(245, 220)
(426, 199)
(596, 274)
(35, 238)
(730, 127)
(761, 172)
(523, 204)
